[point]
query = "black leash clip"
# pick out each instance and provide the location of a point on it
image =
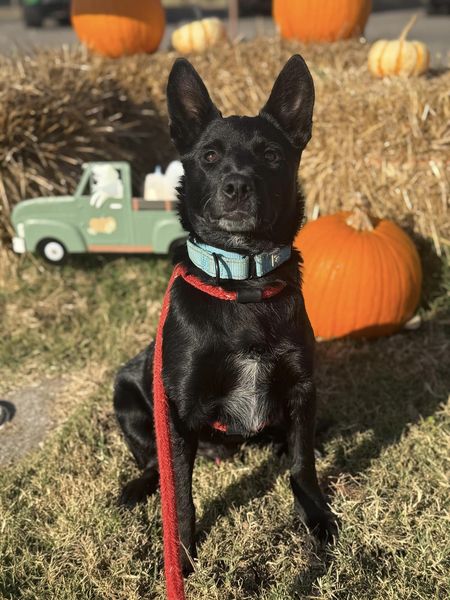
(247, 295)
(216, 267)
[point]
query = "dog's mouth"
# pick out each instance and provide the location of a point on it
(237, 222)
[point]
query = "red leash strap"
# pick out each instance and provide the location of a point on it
(172, 561)
(219, 292)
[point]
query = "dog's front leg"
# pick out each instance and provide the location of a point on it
(184, 451)
(309, 501)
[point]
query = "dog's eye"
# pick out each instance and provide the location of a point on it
(211, 156)
(270, 155)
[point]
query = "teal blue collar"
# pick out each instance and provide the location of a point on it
(223, 264)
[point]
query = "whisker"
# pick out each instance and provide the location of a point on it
(207, 201)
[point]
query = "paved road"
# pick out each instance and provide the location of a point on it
(434, 30)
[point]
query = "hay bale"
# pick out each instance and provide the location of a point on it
(388, 139)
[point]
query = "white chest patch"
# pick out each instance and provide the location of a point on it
(247, 404)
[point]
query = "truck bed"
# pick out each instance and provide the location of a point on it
(141, 204)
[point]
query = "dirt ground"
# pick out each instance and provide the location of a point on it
(33, 416)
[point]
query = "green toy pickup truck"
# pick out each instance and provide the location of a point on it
(102, 215)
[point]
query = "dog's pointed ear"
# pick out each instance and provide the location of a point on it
(189, 104)
(291, 102)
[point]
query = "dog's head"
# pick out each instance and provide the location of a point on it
(240, 185)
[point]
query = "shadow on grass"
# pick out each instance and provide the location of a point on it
(255, 485)
(370, 394)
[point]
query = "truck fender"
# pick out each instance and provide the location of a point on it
(167, 231)
(40, 229)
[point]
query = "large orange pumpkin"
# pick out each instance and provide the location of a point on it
(117, 27)
(321, 20)
(361, 277)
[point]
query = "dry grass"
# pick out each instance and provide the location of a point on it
(383, 438)
(53, 321)
(388, 139)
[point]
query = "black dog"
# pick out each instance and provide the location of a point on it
(247, 365)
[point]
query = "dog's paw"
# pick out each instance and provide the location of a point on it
(136, 491)
(319, 520)
(186, 566)
(323, 526)
(187, 559)
(313, 510)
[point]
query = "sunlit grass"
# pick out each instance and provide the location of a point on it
(383, 442)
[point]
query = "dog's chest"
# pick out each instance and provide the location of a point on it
(247, 402)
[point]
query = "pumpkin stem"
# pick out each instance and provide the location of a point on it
(408, 27)
(360, 220)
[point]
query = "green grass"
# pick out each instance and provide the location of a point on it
(383, 438)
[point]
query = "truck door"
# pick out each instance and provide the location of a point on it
(106, 210)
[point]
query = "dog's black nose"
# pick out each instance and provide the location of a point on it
(237, 187)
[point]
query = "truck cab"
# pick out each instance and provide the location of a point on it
(102, 216)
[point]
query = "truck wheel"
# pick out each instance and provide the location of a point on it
(32, 15)
(52, 251)
(175, 245)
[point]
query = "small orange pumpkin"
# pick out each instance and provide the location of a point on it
(321, 20)
(399, 57)
(115, 28)
(361, 276)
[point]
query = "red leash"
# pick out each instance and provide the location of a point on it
(172, 562)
